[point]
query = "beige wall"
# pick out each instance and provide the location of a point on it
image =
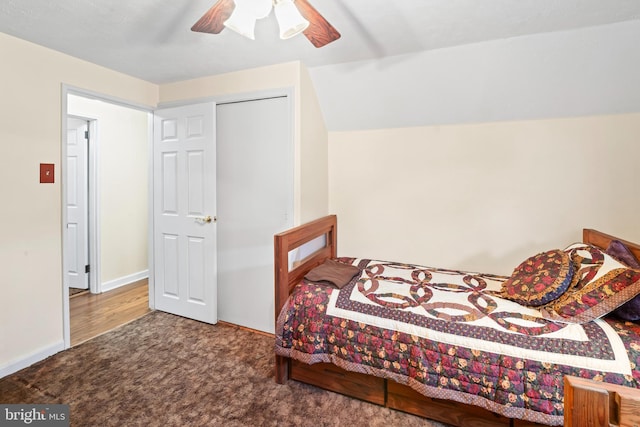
(30, 225)
(314, 197)
(483, 196)
(253, 80)
(123, 159)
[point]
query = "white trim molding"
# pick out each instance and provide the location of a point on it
(29, 360)
(124, 280)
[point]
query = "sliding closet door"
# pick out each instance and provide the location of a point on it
(255, 201)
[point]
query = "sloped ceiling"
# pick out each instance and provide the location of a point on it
(579, 72)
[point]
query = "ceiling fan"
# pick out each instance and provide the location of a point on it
(240, 16)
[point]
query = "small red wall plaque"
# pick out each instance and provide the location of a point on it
(46, 173)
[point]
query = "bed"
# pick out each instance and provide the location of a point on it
(322, 340)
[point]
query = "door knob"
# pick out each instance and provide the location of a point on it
(206, 220)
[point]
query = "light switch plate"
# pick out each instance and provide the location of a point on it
(46, 173)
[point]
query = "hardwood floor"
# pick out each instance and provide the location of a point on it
(92, 315)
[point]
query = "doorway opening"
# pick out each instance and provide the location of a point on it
(105, 189)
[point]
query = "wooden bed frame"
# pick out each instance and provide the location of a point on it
(587, 403)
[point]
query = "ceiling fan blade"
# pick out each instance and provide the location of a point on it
(213, 20)
(319, 32)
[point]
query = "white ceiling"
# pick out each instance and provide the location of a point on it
(151, 39)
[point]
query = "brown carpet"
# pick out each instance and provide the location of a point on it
(165, 370)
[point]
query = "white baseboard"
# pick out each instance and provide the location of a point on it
(125, 280)
(24, 362)
(45, 352)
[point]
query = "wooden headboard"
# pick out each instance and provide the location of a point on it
(294, 238)
(286, 279)
(602, 240)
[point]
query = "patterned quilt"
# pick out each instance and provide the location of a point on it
(447, 335)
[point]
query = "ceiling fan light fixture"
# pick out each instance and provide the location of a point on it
(261, 8)
(242, 19)
(290, 20)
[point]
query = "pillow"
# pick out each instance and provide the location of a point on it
(631, 309)
(621, 252)
(600, 285)
(334, 272)
(539, 279)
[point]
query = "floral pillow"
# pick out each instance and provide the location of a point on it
(631, 309)
(600, 285)
(539, 279)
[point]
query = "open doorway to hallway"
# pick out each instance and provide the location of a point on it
(117, 199)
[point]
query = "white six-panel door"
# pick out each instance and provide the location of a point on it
(184, 205)
(76, 233)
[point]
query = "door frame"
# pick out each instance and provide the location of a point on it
(95, 284)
